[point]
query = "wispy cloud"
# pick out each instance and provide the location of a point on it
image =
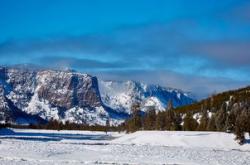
(154, 46)
(83, 64)
(233, 53)
(200, 86)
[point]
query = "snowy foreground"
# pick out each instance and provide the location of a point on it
(145, 147)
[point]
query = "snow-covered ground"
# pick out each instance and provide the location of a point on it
(144, 147)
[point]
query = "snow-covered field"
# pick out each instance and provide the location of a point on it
(144, 147)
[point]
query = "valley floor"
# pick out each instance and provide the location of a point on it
(144, 147)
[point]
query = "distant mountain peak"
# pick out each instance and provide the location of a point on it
(121, 95)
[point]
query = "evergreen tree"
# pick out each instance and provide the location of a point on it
(160, 121)
(172, 119)
(221, 117)
(230, 122)
(204, 118)
(169, 120)
(211, 124)
(242, 125)
(239, 130)
(177, 122)
(170, 105)
(190, 124)
(203, 121)
(150, 119)
(135, 123)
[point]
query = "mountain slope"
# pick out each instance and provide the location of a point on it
(215, 102)
(120, 95)
(53, 94)
(75, 97)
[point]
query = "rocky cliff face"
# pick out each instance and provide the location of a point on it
(51, 94)
(30, 95)
(67, 90)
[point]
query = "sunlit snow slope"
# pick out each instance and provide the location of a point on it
(121, 94)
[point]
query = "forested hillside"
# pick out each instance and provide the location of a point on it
(228, 111)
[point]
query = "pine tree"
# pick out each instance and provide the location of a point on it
(247, 119)
(239, 130)
(211, 124)
(170, 120)
(135, 123)
(150, 119)
(190, 124)
(203, 121)
(170, 105)
(242, 125)
(160, 121)
(177, 122)
(230, 122)
(221, 117)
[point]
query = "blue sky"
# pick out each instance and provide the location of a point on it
(199, 46)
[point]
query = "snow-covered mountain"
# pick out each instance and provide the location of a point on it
(121, 95)
(48, 94)
(39, 95)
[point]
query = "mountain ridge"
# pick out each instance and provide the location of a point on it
(75, 97)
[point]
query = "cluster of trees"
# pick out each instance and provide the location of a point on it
(216, 100)
(150, 120)
(57, 125)
(232, 116)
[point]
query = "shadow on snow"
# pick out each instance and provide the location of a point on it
(53, 136)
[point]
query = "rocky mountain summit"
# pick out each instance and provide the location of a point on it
(120, 95)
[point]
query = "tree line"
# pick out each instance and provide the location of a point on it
(233, 116)
(58, 125)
